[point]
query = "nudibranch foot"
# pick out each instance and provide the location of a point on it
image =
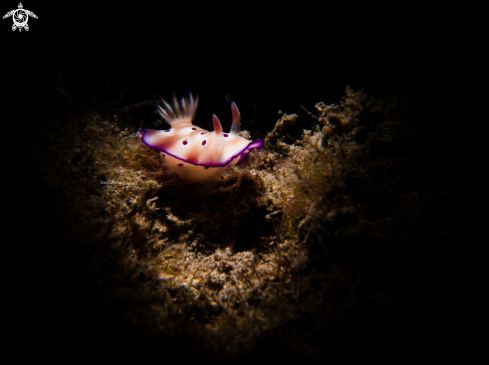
(191, 152)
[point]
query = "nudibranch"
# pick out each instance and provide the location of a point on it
(191, 152)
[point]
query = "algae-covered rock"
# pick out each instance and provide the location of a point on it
(301, 248)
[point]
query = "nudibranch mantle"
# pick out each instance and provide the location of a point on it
(191, 152)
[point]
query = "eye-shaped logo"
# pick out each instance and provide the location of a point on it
(20, 17)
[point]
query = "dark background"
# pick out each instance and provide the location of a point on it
(267, 57)
(283, 56)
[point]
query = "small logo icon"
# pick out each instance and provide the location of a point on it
(20, 17)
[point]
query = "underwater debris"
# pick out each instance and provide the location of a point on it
(279, 131)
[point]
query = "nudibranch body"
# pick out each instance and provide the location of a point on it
(191, 152)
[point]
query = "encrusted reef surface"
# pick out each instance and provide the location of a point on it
(306, 249)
